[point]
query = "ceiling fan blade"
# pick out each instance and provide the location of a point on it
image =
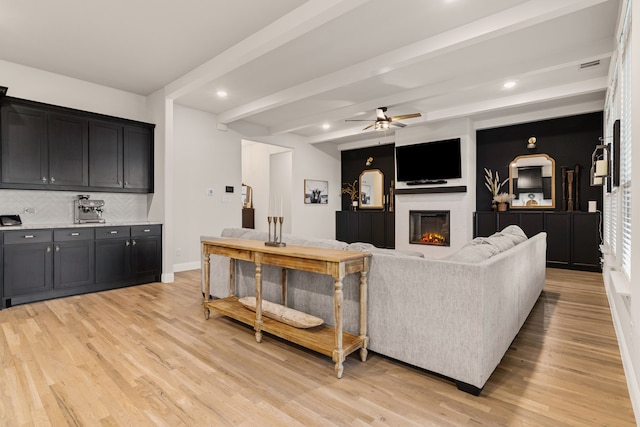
(400, 125)
(380, 113)
(370, 126)
(404, 116)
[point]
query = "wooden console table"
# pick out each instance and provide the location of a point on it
(337, 263)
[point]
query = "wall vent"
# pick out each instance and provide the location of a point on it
(589, 64)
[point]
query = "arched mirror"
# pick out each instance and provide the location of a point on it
(372, 189)
(532, 182)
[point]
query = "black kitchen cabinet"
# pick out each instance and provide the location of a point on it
(138, 158)
(375, 227)
(105, 154)
(68, 150)
(49, 263)
(57, 148)
(146, 252)
(113, 255)
(24, 146)
(573, 238)
(27, 262)
(73, 258)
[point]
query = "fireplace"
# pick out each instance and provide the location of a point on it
(429, 228)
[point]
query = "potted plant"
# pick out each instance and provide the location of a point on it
(493, 184)
(502, 199)
(352, 191)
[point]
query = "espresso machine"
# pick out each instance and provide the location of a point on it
(87, 211)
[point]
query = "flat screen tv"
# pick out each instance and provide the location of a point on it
(429, 161)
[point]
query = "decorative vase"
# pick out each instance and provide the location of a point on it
(354, 205)
(502, 207)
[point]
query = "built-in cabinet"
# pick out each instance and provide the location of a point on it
(573, 238)
(39, 264)
(375, 227)
(46, 147)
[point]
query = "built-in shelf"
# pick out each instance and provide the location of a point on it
(426, 190)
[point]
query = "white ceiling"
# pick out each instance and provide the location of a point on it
(292, 66)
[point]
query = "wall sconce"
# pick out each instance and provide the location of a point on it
(3, 91)
(369, 161)
(531, 143)
(600, 164)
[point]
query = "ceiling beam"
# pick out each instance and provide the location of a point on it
(312, 14)
(501, 23)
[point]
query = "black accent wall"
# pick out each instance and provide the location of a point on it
(354, 162)
(569, 140)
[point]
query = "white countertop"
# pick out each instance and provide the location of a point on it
(73, 225)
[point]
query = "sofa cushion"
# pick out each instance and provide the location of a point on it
(515, 233)
(500, 241)
(472, 253)
(368, 247)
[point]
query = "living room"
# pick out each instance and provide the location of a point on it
(202, 159)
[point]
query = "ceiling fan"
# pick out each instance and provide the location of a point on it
(383, 121)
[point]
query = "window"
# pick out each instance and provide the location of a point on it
(625, 157)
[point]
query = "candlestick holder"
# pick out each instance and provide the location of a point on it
(277, 237)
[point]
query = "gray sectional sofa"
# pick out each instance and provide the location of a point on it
(455, 317)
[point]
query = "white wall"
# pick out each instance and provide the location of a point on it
(203, 158)
(460, 205)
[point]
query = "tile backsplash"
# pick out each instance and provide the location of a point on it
(56, 207)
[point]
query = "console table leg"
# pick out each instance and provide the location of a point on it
(207, 284)
(363, 312)
(338, 352)
(258, 324)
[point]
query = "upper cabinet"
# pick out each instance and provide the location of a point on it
(48, 147)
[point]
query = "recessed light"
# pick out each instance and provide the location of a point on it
(509, 85)
(326, 126)
(222, 93)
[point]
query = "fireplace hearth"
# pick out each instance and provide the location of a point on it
(429, 228)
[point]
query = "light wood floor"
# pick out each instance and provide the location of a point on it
(145, 356)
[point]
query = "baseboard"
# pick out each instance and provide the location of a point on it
(627, 360)
(167, 278)
(186, 266)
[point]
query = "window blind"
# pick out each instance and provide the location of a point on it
(625, 157)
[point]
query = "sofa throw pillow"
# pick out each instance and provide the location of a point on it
(500, 241)
(475, 253)
(282, 313)
(515, 233)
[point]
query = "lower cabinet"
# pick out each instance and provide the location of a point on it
(50, 263)
(375, 227)
(28, 262)
(573, 238)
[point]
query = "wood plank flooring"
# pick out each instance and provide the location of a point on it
(145, 356)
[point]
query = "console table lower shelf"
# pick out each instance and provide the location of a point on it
(320, 339)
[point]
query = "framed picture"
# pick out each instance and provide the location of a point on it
(316, 192)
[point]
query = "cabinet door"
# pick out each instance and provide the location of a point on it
(390, 229)
(24, 145)
(147, 256)
(506, 219)
(365, 227)
(113, 260)
(105, 155)
(531, 223)
(68, 150)
(28, 269)
(558, 228)
(138, 152)
(485, 224)
(586, 241)
(73, 264)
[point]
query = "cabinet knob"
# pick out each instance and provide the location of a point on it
(28, 236)
(127, 243)
(44, 179)
(133, 242)
(53, 180)
(57, 248)
(113, 232)
(119, 182)
(75, 234)
(48, 248)
(126, 184)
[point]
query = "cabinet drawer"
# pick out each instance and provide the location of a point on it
(146, 230)
(26, 236)
(112, 232)
(70, 234)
